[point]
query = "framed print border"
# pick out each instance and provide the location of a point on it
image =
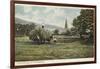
(12, 32)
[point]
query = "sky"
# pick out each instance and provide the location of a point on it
(51, 15)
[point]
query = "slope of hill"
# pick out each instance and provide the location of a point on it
(47, 26)
(21, 21)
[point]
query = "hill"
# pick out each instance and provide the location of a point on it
(47, 26)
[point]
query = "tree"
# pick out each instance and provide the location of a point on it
(84, 23)
(56, 31)
(74, 31)
(68, 32)
(19, 29)
(23, 29)
(28, 28)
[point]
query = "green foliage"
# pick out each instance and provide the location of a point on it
(74, 31)
(23, 29)
(68, 32)
(40, 35)
(56, 31)
(84, 23)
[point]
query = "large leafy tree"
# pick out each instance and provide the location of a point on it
(84, 22)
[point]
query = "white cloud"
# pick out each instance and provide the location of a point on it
(51, 15)
(27, 9)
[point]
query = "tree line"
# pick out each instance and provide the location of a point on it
(23, 29)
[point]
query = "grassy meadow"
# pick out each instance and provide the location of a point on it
(27, 51)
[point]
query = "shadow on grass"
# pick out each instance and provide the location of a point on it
(85, 42)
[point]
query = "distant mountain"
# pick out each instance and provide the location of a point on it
(47, 26)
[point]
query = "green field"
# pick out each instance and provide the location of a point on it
(27, 51)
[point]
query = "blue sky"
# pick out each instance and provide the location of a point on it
(47, 14)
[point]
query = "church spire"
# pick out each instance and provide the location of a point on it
(66, 26)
